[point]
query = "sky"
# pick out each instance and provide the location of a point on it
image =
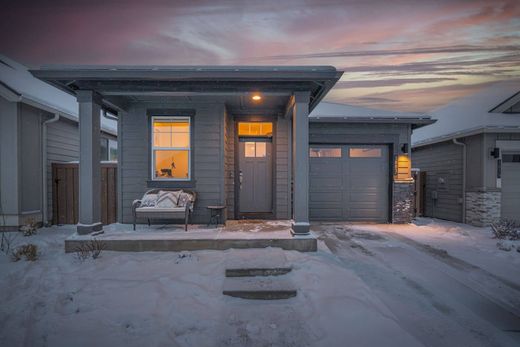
(398, 55)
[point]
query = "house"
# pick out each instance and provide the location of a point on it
(471, 157)
(38, 127)
(240, 136)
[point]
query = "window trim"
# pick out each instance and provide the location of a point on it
(153, 148)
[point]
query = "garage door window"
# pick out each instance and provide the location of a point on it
(511, 158)
(365, 152)
(329, 152)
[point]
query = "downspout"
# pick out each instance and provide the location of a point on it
(44, 166)
(455, 141)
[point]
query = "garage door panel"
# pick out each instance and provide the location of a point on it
(326, 197)
(350, 188)
(326, 214)
(325, 184)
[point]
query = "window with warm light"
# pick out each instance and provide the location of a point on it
(255, 129)
(403, 168)
(255, 149)
(171, 148)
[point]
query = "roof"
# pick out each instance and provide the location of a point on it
(484, 111)
(342, 113)
(121, 81)
(18, 84)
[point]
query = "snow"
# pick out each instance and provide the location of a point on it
(365, 286)
(471, 114)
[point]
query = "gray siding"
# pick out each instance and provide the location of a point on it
(206, 153)
(442, 163)
(9, 180)
(282, 164)
(30, 160)
(359, 133)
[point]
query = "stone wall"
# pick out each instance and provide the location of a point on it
(482, 208)
(403, 202)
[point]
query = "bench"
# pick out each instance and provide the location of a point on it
(146, 208)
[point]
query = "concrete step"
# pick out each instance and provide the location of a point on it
(259, 288)
(256, 271)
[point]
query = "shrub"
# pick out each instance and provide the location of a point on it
(506, 229)
(29, 229)
(29, 251)
(89, 249)
(8, 241)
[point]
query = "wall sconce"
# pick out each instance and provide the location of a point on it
(495, 153)
(404, 148)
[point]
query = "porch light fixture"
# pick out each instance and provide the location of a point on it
(256, 97)
(495, 153)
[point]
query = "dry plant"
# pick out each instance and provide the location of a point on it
(29, 251)
(29, 228)
(8, 241)
(92, 248)
(507, 229)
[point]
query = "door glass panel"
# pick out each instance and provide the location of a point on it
(249, 149)
(365, 152)
(261, 149)
(315, 152)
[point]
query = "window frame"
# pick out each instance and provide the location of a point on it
(153, 148)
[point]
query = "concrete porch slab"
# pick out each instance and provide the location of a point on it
(164, 238)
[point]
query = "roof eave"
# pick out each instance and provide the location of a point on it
(415, 122)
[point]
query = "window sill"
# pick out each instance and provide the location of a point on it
(171, 184)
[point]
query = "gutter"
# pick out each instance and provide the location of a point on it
(458, 143)
(44, 167)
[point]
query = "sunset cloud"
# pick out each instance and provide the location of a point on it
(404, 55)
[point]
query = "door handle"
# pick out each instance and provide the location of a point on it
(240, 178)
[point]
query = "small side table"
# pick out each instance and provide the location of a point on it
(216, 214)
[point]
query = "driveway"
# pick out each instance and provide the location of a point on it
(446, 283)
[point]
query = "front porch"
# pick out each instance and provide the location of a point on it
(163, 238)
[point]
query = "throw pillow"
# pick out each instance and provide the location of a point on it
(168, 199)
(149, 200)
(184, 198)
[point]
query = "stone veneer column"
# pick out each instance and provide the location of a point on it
(403, 202)
(483, 207)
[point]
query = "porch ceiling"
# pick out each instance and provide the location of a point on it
(120, 85)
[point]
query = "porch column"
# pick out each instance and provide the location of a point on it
(300, 127)
(89, 166)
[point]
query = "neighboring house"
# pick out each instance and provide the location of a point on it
(471, 157)
(38, 127)
(239, 136)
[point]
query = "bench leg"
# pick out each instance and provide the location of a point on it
(148, 222)
(134, 221)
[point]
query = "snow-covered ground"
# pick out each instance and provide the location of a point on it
(368, 285)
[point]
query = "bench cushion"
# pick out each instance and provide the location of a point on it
(152, 210)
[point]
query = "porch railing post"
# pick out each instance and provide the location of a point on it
(300, 124)
(89, 162)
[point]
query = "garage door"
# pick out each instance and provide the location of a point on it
(511, 186)
(349, 182)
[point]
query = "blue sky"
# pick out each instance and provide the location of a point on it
(401, 55)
